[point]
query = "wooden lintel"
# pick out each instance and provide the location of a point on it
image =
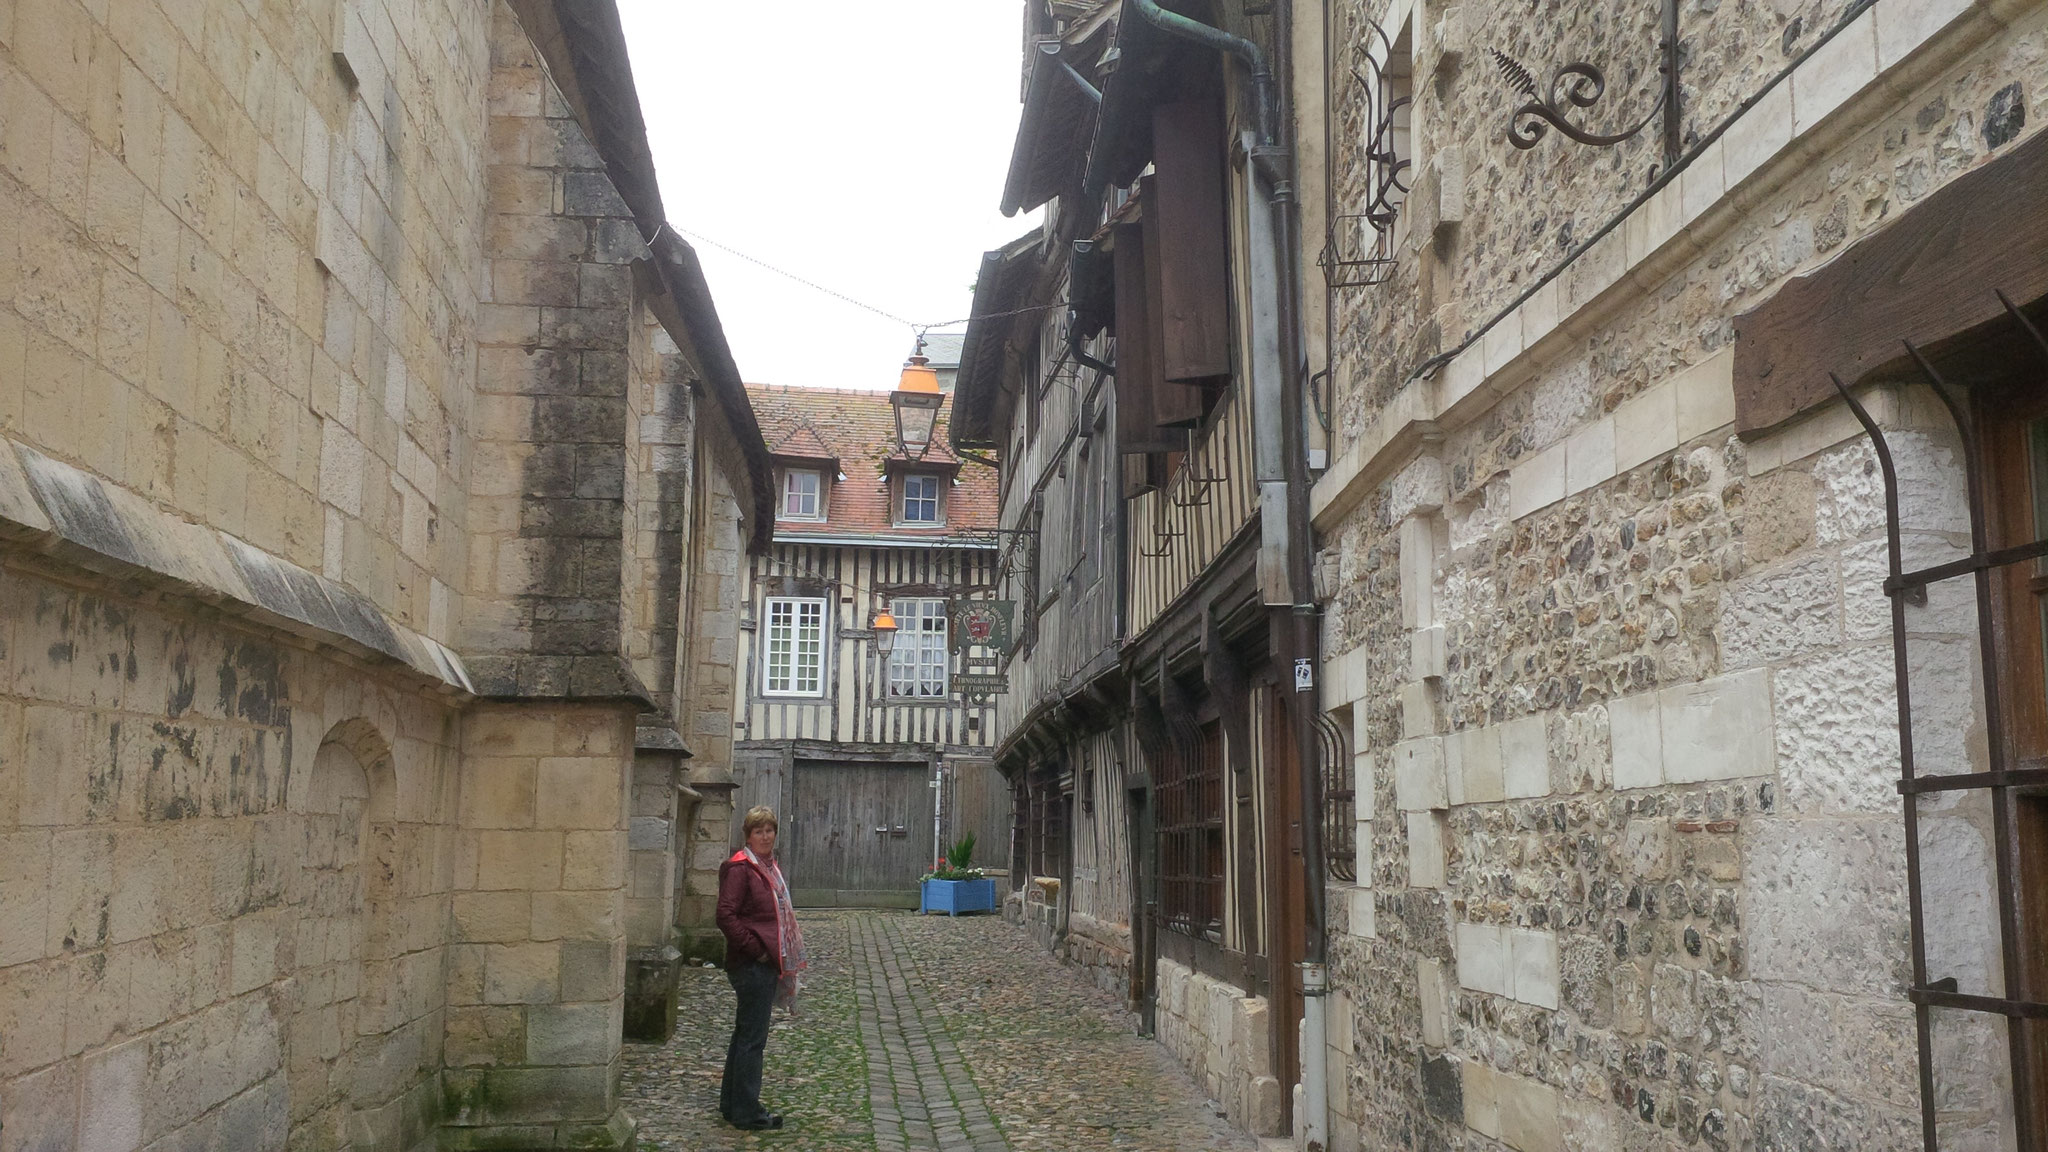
(1931, 274)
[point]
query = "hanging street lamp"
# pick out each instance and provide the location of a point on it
(916, 400)
(884, 629)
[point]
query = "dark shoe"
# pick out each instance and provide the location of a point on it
(766, 1123)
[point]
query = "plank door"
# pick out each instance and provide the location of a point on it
(834, 853)
(978, 801)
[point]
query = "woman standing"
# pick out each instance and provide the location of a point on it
(764, 951)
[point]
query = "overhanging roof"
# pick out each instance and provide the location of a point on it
(1060, 101)
(1001, 286)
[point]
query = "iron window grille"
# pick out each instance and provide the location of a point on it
(1340, 824)
(794, 647)
(917, 665)
(1190, 797)
(2004, 434)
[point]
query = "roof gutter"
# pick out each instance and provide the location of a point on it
(1189, 28)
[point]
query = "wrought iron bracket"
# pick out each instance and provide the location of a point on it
(1165, 541)
(1368, 257)
(1580, 85)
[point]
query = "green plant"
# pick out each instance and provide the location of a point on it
(961, 854)
(957, 864)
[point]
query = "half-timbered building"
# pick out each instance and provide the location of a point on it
(874, 761)
(1127, 360)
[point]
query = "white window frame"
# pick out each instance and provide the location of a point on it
(919, 665)
(938, 500)
(793, 664)
(817, 494)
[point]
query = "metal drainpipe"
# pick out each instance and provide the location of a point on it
(1274, 161)
(1189, 28)
(1315, 1122)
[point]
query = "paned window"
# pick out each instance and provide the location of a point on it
(920, 500)
(1190, 793)
(917, 665)
(802, 495)
(794, 647)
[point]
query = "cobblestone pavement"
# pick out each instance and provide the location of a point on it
(927, 1033)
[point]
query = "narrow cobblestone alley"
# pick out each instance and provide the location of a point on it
(927, 1033)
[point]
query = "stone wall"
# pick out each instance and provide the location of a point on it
(1100, 949)
(1222, 1037)
(324, 379)
(708, 827)
(561, 394)
(1619, 681)
(238, 279)
(225, 867)
(536, 974)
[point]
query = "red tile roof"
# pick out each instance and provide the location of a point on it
(858, 428)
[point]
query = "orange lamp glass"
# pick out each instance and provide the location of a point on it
(916, 400)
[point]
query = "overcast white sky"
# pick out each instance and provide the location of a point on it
(859, 146)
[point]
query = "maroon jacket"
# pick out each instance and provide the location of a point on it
(746, 914)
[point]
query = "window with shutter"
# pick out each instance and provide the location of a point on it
(1186, 207)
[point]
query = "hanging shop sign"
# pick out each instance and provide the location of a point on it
(980, 623)
(980, 687)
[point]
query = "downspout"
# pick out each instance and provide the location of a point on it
(1292, 626)
(1314, 1122)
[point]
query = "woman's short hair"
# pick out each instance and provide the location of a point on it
(758, 817)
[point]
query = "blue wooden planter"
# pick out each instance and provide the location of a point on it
(956, 896)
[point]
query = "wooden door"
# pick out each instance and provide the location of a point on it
(978, 801)
(1144, 904)
(860, 834)
(2013, 422)
(1287, 918)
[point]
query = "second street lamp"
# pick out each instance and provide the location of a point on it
(916, 401)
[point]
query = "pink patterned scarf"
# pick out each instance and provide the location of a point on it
(792, 959)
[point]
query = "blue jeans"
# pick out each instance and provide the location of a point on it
(739, 1096)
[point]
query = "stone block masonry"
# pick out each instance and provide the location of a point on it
(1220, 1036)
(224, 872)
(1683, 921)
(346, 485)
(536, 970)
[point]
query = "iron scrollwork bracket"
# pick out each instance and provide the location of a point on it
(1580, 85)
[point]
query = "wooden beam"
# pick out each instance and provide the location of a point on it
(1929, 275)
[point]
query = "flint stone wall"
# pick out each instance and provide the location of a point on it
(1710, 879)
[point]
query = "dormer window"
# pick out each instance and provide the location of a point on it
(920, 503)
(803, 495)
